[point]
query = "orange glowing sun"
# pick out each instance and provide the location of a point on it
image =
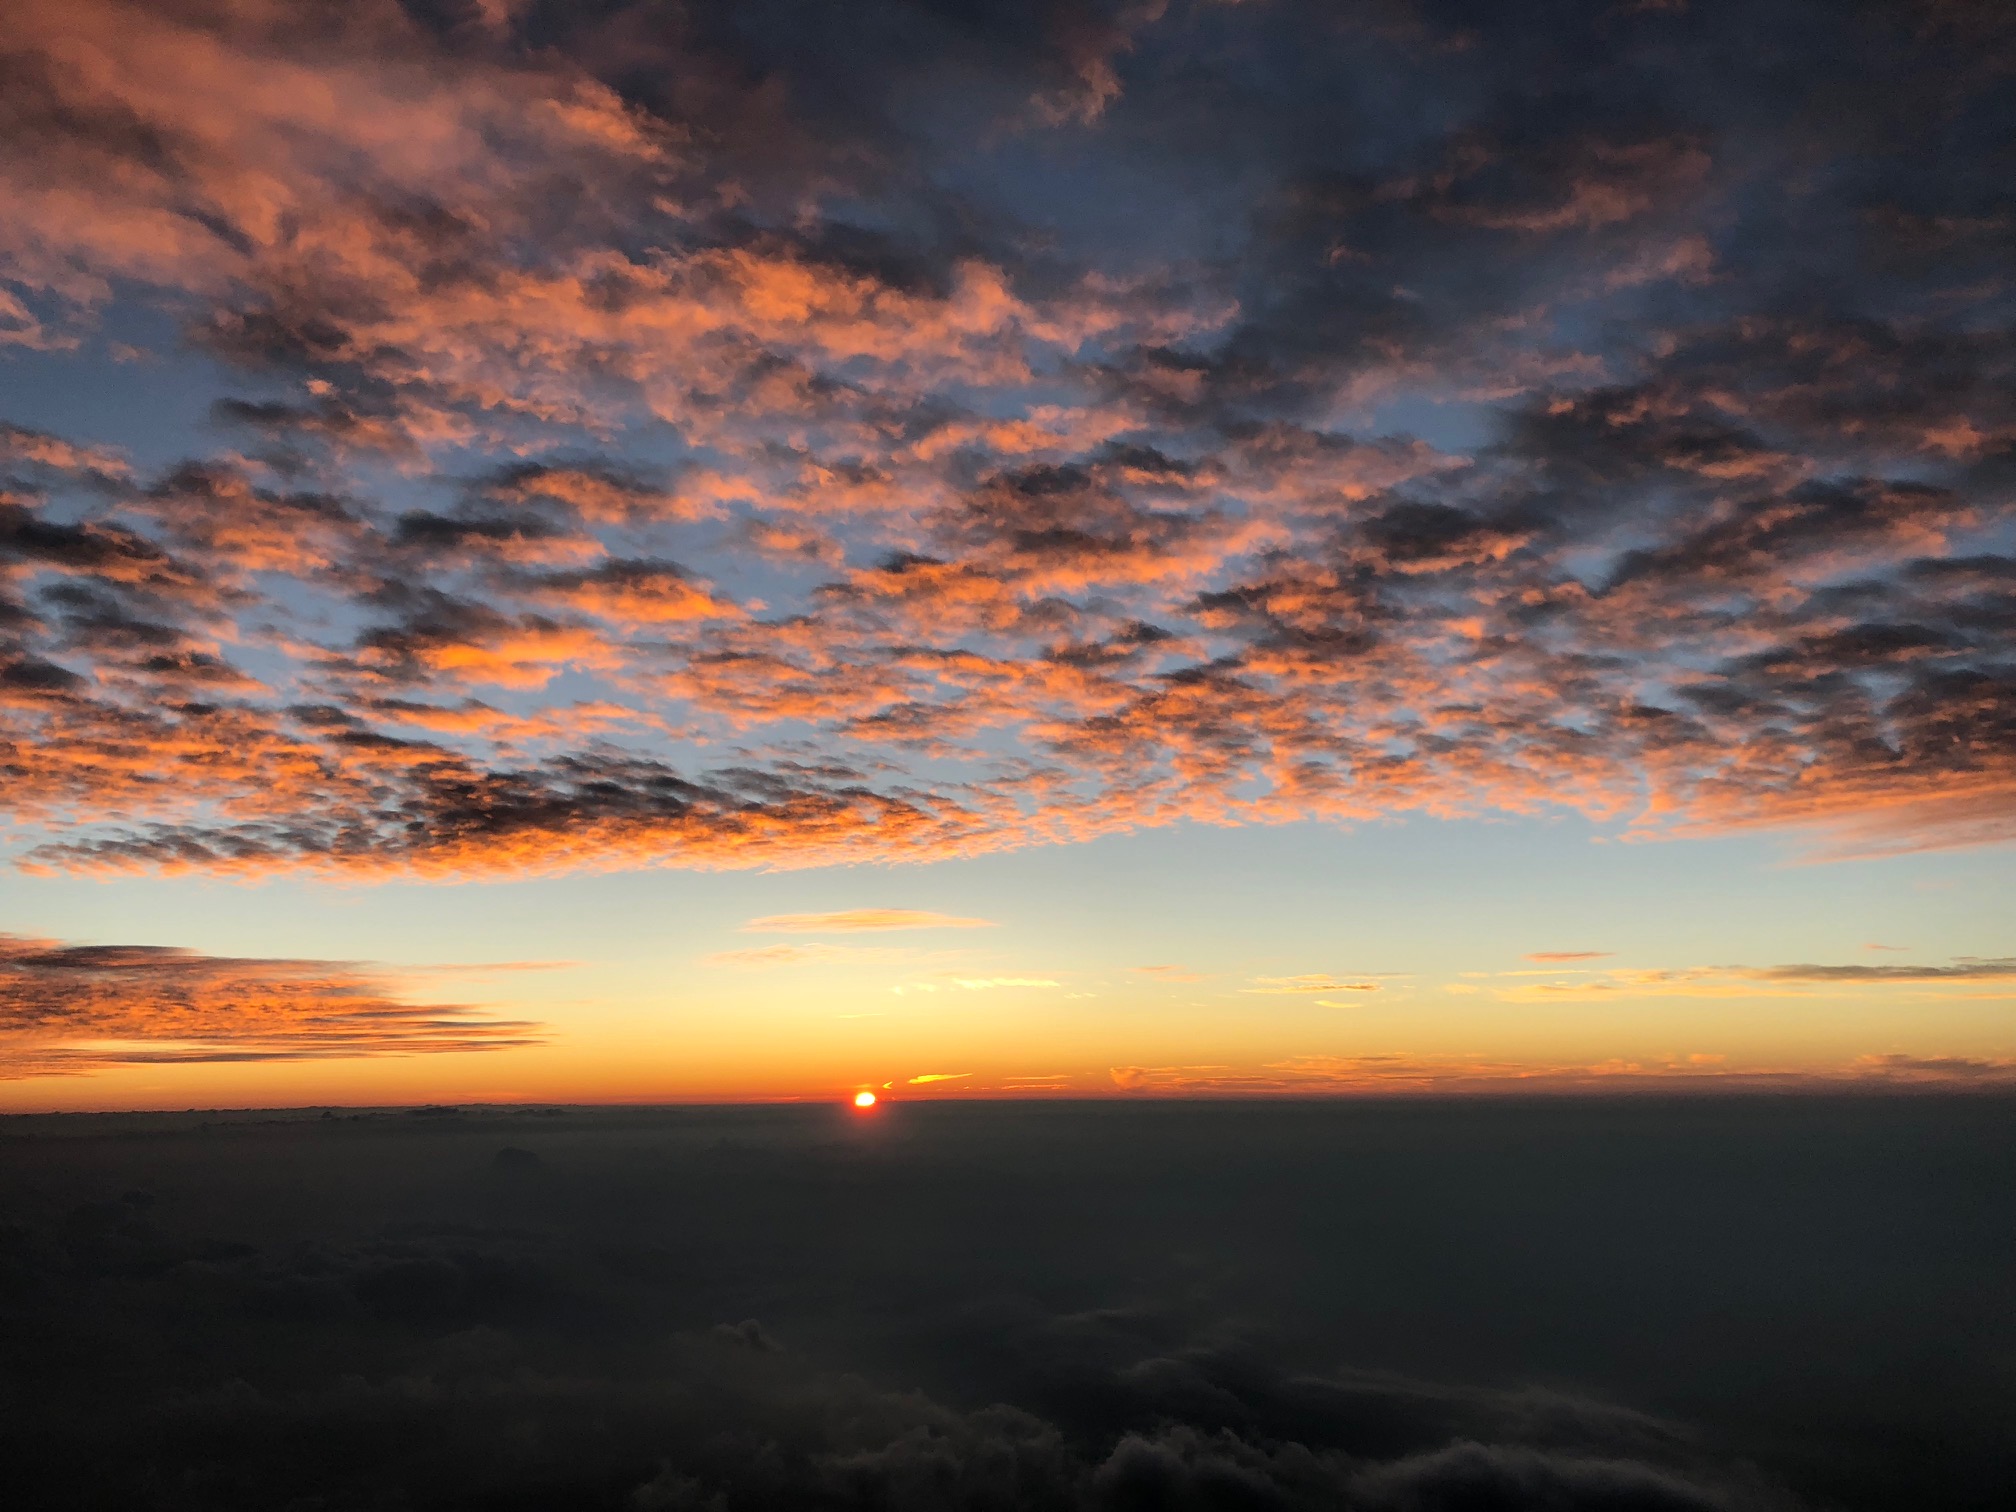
(864, 1099)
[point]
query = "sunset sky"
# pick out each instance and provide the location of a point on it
(651, 551)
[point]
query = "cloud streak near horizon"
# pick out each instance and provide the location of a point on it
(78, 1008)
(653, 434)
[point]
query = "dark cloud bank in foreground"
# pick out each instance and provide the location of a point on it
(1689, 1306)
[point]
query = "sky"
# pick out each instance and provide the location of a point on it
(705, 552)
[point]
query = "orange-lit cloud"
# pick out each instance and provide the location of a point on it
(72, 1008)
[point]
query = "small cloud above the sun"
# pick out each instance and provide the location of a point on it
(1170, 973)
(938, 1076)
(1317, 982)
(861, 921)
(1546, 956)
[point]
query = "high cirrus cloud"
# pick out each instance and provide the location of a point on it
(80, 1007)
(657, 436)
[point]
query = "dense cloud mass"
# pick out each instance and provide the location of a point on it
(650, 432)
(1523, 1307)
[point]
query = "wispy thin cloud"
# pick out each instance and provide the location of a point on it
(1316, 982)
(861, 921)
(1737, 981)
(1937, 1068)
(1401, 1073)
(1965, 969)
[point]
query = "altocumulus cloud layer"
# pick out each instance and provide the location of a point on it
(769, 433)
